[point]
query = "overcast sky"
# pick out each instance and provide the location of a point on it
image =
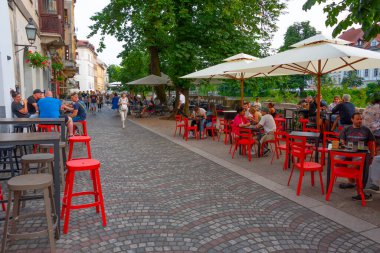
(84, 9)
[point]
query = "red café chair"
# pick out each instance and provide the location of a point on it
(189, 128)
(298, 148)
(84, 127)
(347, 169)
(223, 128)
(281, 144)
(303, 122)
(178, 124)
(246, 141)
(212, 128)
(280, 123)
(327, 137)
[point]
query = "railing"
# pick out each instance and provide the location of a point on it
(51, 23)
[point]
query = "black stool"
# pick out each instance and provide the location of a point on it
(6, 157)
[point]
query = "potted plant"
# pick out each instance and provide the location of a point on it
(60, 79)
(36, 60)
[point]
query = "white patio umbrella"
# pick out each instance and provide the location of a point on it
(219, 71)
(317, 56)
(151, 80)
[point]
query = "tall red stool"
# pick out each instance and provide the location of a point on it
(79, 139)
(84, 127)
(73, 166)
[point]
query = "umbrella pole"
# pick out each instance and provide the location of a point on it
(319, 96)
(242, 91)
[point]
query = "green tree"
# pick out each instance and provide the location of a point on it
(352, 80)
(294, 34)
(363, 12)
(114, 73)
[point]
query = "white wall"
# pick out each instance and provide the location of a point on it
(7, 78)
(86, 69)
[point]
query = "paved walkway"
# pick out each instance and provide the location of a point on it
(162, 197)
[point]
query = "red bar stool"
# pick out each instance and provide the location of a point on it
(48, 128)
(73, 166)
(84, 127)
(75, 139)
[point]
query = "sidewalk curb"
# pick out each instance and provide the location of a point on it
(363, 227)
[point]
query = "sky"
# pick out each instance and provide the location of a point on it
(294, 13)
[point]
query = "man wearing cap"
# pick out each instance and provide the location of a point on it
(32, 103)
(269, 126)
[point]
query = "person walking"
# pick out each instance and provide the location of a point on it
(93, 100)
(100, 102)
(115, 102)
(123, 108)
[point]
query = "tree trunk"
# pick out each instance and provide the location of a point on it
(155, 70)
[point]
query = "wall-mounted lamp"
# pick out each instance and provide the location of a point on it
(31, 32)
(52, 50)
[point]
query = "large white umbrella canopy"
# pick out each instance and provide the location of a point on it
(219, 71)
(151, 80)
(317, 56)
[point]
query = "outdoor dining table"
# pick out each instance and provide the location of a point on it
(310, 136)
(40, 138)
(348, 151)
(47, 121)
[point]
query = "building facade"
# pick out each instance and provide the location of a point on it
(101, 70)
(355, 36)
(86, 59)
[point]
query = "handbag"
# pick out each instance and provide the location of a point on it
(124, 107)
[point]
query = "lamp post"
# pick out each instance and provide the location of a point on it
(31, 32)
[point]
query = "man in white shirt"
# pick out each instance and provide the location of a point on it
(181, 104)
(269, 125)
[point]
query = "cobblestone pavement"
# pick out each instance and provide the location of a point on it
(161, 197)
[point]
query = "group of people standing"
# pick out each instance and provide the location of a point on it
(93, 100)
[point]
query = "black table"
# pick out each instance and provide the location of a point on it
(350, 151)
(310, 136)
(40, 138)
(47, 121)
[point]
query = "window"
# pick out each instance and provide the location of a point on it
(375, 72)
(358, 72)
(66, 17)
(77, 85)
(366, 73)
(77, 55)
(49, 6)
(360, 42)
(78, 69)
(373, 43)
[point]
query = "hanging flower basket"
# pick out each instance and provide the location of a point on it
(60, 79)
(57, 66)
(36, 60)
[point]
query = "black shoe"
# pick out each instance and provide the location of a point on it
(373, 188)
(266, 151)
(346, 186)
(367, 197)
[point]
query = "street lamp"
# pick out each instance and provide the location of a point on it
(31, 32)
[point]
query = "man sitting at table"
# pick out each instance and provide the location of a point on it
(32, 103)
(199, 118)
(20, 110)
(346, 110)
(78, 110)
(355, 133)
(50, 108)
(269, 125)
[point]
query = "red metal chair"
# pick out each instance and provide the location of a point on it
(280, 124)
(78, 139)
(303, 122)
(84, 127)
(298, 148)
(80, 165)
(351, 166)
(327, 137)
(190, 128)
(223, 128)
(245, 140)
(2, 199)
(212, 128)
(281, 144)
(178, 124)
(47, 128)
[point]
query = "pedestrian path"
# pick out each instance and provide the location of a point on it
(160, 196)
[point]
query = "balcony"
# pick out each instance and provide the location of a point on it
(51, 22)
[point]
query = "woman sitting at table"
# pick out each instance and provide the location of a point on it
(240, 120)
(272, 110)
(255, 115)
(211, 112)
(20, 110)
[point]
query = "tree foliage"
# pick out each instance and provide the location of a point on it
(363, 12)
(352, 79)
